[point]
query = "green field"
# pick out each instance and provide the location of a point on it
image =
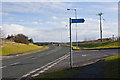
(100, 45)
(112, 65)
(97, 45)
(10, 49)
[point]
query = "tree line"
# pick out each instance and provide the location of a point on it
(20, 38)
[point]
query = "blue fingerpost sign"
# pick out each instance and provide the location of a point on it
(77, 21)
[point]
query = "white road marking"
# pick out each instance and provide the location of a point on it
(48, 67)
(45, 67)
(14, 63)
(33, 58)
(84, 55)
(3, 67)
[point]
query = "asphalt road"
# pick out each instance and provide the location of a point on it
(31, 65)
(85, 57)
(88, 56)
(19, 66)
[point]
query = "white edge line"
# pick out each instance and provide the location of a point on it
(61, 58)
(48, 67)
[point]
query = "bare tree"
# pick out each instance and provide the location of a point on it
(0, 38)
(1, 33)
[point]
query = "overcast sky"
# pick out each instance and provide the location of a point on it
(48, 21)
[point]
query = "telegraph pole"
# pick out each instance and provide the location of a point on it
(100, 14)
(76, 25)
(76, 28)
(61, 37)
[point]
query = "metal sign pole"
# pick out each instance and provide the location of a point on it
(73, 21)
(70, 46)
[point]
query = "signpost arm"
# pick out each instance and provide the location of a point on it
(70, 46)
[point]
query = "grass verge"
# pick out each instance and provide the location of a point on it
(75, 48)
(96, 45)
(100, 45)
(112, 65)
(58, 74)
(11, 49)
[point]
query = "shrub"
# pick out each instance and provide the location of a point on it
(20, 38)
(30, 40)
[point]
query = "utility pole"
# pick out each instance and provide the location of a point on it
(61, 37)
(76, 24)
(100, 14)
(76, 28)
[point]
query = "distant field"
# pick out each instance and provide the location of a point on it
(100, 45)
(12, 47)
(73, 47)
(112, 65)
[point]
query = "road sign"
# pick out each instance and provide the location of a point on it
(73, 21)
(78, 20)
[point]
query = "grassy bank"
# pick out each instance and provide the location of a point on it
(100, 45)
(58, 74)
(9, 47)
(112, 65)
(96, 45)
(73, 47)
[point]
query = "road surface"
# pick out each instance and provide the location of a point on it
(55, 57)
(17, 67)
(85, 57)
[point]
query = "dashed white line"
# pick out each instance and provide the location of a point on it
(84, 55)
(33, 58)
(14, 63)
(3, 67)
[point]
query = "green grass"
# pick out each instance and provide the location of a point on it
(112, 65)
(57, 74)
(75, 48)
(100, 45)
(10, 49)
